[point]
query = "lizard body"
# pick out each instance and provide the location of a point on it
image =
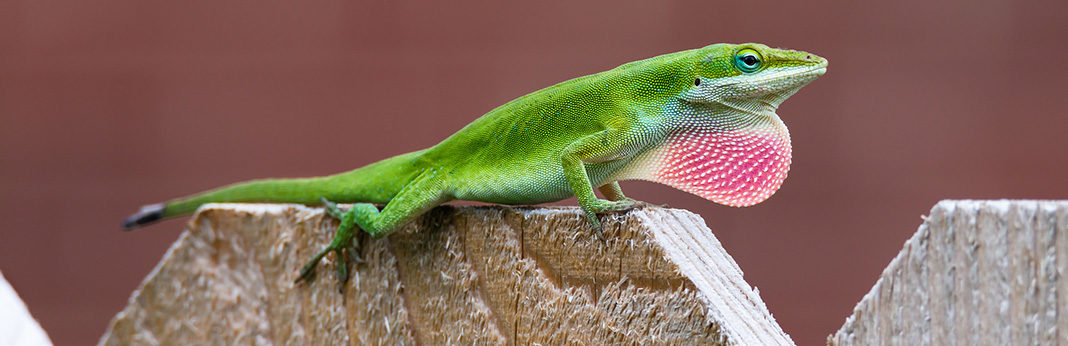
(700, 120)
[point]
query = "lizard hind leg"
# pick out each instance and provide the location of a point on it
(416, 197)
(346, 242)
(342, 244)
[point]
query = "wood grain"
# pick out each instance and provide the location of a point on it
(975, 273)
(457, 275)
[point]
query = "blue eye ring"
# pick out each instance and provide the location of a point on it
(748, 60)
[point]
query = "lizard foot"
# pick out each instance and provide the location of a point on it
(601, 206)
(353, 250)
(345, 246)
(604, 206)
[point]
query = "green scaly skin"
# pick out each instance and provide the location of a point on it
(700, 120)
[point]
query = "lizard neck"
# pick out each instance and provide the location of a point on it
(732, 154)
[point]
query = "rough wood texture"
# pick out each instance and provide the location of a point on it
(975, 273)
(463, 275)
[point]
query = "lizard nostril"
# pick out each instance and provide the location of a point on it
(808, 57)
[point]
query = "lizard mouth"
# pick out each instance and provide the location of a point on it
(777, 86)
(807, 75)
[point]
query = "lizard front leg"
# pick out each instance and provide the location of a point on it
(604, 146)
(422, 193)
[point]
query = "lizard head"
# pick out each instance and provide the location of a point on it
(726, 143)
(751, 77)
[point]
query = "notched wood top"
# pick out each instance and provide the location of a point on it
(463, 275)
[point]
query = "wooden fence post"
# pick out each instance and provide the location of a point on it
(975, 273)
(466, 275)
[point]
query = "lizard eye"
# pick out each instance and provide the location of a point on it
(747, 60)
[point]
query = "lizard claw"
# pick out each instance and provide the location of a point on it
(345, 254)
(345, 247)
(601, 206)
(307, 272)
(598, 229)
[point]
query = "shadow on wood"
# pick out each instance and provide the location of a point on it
(456, 275)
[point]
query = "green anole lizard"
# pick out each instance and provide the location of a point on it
(700, 120)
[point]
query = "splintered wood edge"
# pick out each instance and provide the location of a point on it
(975, 272)
(701, 258)
(682, 236)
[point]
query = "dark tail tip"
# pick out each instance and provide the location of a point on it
(147, 215)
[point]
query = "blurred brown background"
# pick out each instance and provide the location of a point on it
(107, 105)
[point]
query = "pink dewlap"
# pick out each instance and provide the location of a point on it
(738, 168)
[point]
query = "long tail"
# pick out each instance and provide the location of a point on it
(375, 183)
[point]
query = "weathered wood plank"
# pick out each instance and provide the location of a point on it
(975, 273)
(457, 275)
